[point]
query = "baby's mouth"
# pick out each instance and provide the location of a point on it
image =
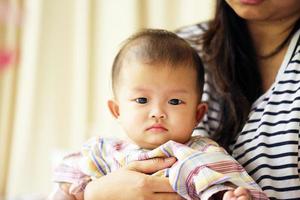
(157, 128)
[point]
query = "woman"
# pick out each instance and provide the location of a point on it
(252, 54)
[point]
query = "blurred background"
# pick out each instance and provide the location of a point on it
(55, 60)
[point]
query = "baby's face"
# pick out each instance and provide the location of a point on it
(157, 104)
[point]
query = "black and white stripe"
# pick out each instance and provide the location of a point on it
(268, 146)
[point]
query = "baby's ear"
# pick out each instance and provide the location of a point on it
(201, 110)
(114, 108)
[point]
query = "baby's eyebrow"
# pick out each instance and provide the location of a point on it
(179, 91)
(140, 89)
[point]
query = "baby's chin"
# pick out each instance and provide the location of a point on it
(153, 143)
(150, 145)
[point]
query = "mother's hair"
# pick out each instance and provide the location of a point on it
(230, 54)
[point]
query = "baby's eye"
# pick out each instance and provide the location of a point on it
(175, 101)
(141, 100)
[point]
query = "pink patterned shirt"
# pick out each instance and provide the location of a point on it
(202, 169)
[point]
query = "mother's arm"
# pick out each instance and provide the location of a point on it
(132, 182)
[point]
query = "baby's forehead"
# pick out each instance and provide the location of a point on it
(154, 72)
(155, 78)
(145, 67)
(137, 56)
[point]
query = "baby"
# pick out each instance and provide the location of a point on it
(157, 81)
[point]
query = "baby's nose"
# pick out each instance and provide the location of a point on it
(158, 114)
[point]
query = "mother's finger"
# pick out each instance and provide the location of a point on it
(159, 184)
(151, 165)
(168, 196)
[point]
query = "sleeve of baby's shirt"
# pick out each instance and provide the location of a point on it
(95, 160)
(59, 194)
(69, 171)
(209, 170)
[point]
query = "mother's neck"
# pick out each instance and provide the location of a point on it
(267, 35)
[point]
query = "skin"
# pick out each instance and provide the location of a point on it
(239, 193)
(156, 103)
(134, 182)
(269, 23)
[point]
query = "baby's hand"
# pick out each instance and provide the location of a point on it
(239, 193)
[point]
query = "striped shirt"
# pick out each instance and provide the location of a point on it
(202, 169)
(268, 145)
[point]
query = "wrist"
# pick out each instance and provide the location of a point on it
(89, 191)
(94, 191)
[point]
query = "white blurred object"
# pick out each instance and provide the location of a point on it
(27, 197)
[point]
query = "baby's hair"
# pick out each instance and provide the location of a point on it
(156, 46)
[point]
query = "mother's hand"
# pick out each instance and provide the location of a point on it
(132, 182)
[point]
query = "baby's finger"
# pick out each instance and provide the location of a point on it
(243, 198)
(228, 195)
(241, 191)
